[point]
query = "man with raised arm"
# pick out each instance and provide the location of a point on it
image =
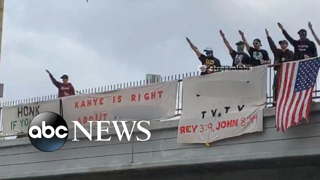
(240, 58)
(280, 56)
(65, 88)
(303, 48)
(208, 60)
(313, 33)
(258, 56)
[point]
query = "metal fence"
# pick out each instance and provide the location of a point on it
(179, 77)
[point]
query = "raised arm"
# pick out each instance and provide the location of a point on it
(313, 33)
(54, 81)
(286, 35)
(226, 42)
(272, 45)
(194, 48)
(245, 40)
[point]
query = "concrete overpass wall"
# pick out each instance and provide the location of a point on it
(19, 159)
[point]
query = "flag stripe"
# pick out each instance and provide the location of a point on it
(284, 94)
(289, 94)
(283, 76)
(306, 103)
(294, 110)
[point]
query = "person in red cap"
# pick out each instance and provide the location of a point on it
(65, 88)
(313, 33)
(303, 48)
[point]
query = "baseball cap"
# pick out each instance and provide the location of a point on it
(302, 31)
(283, 41)
(64, 76)
(239, 43)
(258, 41)
(208, 49)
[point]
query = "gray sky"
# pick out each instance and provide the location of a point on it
(105, 42)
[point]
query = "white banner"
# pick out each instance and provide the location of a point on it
(222, 105)
(149, 102)
(16, 119)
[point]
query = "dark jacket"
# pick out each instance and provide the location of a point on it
(210, 62)
(301, 47)
(288, 55)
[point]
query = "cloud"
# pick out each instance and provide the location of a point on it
(106, 42)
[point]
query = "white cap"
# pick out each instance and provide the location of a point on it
(208, 49)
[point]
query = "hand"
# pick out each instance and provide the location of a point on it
(262, 61)
(306, 56)
(241, 33)
(310, 25)
(48, 71)
(280, 26)
(188, 40)
(267, 32)
(221, 33)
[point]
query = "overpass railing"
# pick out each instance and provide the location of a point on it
(179, 77)
(270, 77)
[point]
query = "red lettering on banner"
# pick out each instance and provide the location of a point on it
(146, 96)
(182, 129)
(160, 92)
(153, 95)
(227, 124)
(83, 104)
(89, 103)
(95, 117)
(95, 102)
(119, 99)
(133, 97)
(194, 128)
(188, 129)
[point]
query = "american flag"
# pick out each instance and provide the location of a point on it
(296, 83)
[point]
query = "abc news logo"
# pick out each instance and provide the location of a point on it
(48, 131)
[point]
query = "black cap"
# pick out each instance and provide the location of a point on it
(283, 41)
(239, 43)
(302, 31)
(64, 76)
(258, 41)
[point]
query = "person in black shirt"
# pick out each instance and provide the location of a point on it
(280, 55)
(208, 60)
(303, 48)
(258, 56)
(240, 58)
(313, 33)
(283, 54)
